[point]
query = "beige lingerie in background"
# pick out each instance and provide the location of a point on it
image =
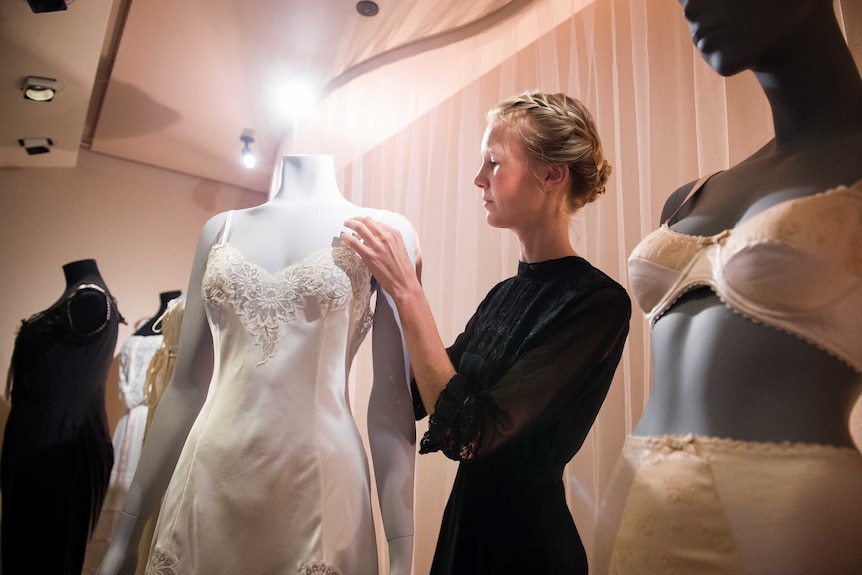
(159, 373)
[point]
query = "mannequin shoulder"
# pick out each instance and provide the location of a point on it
(208, 235)
(674, 201)
(213, 226)
(393, 219)
(408, 232)
(88, 310)
(403, 225)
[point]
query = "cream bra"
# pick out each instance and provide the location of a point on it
(796, 266)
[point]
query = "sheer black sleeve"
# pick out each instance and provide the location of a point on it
(561, 379)
(454, 352)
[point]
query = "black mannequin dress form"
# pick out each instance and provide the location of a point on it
(165, 297)
(57, 454)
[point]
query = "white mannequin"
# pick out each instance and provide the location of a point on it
(299, 219)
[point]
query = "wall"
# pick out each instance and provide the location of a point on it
(139, 223)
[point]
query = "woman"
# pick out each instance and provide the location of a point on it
(514, 397)
(743, 460)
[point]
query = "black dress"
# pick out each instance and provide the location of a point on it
(533, 367)
(57, 454)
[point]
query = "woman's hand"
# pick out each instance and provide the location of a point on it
(382, 249)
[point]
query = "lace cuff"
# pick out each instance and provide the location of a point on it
(455, 426)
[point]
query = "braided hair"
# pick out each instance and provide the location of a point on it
(558, 129)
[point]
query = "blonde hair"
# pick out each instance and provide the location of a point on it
(558, 129)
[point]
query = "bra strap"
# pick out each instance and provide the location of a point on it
(694, 189)
(225, 228)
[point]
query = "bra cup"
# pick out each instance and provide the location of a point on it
(796, 266)
(779, 278)
(650, 282)
(658, 262)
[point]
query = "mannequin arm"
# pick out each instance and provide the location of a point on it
(177, 411)
(392, 432)
(392, 436)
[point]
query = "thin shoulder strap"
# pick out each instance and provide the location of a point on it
(225, 228)
(694, 189)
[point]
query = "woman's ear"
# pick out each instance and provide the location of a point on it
(556, 175)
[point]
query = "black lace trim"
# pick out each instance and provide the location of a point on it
(455, 427)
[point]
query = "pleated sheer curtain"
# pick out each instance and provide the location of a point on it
(665, 118)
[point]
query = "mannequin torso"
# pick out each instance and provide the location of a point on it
(718, 373)
(256, 302)
(57, 455)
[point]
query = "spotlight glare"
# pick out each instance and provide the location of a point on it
(294, 99)
(247, 156)
(248, 159)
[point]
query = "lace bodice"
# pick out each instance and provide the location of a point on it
(326, 280)
(135, 357)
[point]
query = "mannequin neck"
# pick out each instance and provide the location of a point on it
(164, 298)
(308, 178)
(81, 271)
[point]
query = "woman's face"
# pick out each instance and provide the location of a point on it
(510, 193)
(735, 35)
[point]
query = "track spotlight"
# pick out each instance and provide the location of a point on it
(39, 89)
(248, 159)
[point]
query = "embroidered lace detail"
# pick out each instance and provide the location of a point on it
(455, 427)
(135, 356)
(328, 279)
(162, 562)
(318, 568)
(697, 444)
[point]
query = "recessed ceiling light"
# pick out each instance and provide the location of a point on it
(39, 89)
(36, 145)
(39, 6)
(367, 8)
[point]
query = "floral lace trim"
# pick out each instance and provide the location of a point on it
(318, 568)
(694, 443)
(455, 427)
(330, 279)
(162, 562)
(136, 354)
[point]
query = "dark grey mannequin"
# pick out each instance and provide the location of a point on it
(715, 372)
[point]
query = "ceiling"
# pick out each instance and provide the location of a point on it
(174, 84)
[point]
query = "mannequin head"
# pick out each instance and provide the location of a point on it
(736, 35)
(555, 129)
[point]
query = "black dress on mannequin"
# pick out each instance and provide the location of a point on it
(57, 454)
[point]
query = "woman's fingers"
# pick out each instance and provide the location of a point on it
(381, 248)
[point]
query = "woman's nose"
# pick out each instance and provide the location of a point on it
(480, 181)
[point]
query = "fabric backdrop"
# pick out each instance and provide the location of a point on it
(664, 116)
